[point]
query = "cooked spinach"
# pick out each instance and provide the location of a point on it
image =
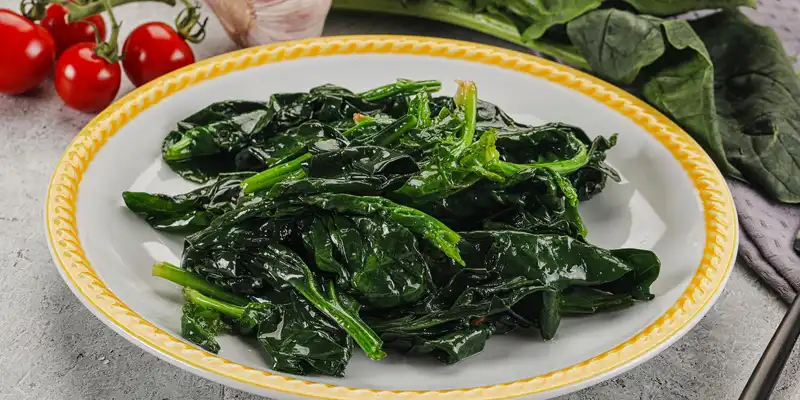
(298, 338)
(188, 212)
(388, 219)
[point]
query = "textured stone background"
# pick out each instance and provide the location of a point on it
(51, 347)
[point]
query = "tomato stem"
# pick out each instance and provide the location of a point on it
(33, 10)
(78, 12)
(188, 23)
(109, 50)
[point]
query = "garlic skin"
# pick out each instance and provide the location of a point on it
(255, 22)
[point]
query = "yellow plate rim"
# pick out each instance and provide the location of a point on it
(70, 258)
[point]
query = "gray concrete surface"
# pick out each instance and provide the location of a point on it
(51, 347)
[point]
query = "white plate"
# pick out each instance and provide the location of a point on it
(673, 201)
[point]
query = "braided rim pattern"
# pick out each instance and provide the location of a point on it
(71, 259)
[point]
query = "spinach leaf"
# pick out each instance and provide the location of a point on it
(617, 44)
(673, 7)
(449, 345)
(188, 212)
(550, 260)
(444, 238)
(757, 100)
(201, 325)
(205, 143)
(298, 338)
(301, 340)
(229, 134)
(289, 144)
(532, 200)
(386, 269)
(590, 179)
(282, 269)
(580, 301)
(382, 137)
(678, 78)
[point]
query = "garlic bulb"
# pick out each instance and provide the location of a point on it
(254, 22)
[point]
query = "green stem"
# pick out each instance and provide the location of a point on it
(198, 298)
(189, 280)
(401, 86)
(177, 151)
(394, 131)
(364, 336)
(364, 121)
(467, 100)
(268, 178)
(78, 12)
(453, 15)
(562, 167)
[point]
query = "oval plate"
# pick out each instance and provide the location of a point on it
(672, 200)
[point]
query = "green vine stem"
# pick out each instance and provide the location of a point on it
(188, 23)
(78, 12)
(453, 15)
(33, 10)
(108, 50)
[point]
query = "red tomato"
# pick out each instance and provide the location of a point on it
(67, 34)
(85, 81)
(27, 53)
(154, 49)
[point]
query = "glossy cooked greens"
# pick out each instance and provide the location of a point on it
(389, 219)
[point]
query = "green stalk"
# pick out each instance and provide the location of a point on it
(450, 14)
(268, 178)
(364, 336)
(466, 99)
(562, 167)
(364, 121)
(78, 12)
(176, 151)
(198, 298)
(398, 128)
(420, 107)
(401, 86)
(190, 280)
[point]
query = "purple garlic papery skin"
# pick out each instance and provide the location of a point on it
(255, 22)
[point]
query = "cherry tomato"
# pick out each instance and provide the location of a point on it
(67, 34)
(27, 53)
(154, 49)
(85, 81)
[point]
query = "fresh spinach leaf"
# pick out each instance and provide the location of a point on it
(673, 7)
(758, 102)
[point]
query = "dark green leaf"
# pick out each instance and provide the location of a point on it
(414, 220)
(201, 325)
(290, 144)
(188, 212)
(617, 44)
(301, 340)
(758, 102)
(226, 127)
(386, 268)
(673, 7)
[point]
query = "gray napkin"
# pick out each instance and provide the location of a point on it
(767, 238)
